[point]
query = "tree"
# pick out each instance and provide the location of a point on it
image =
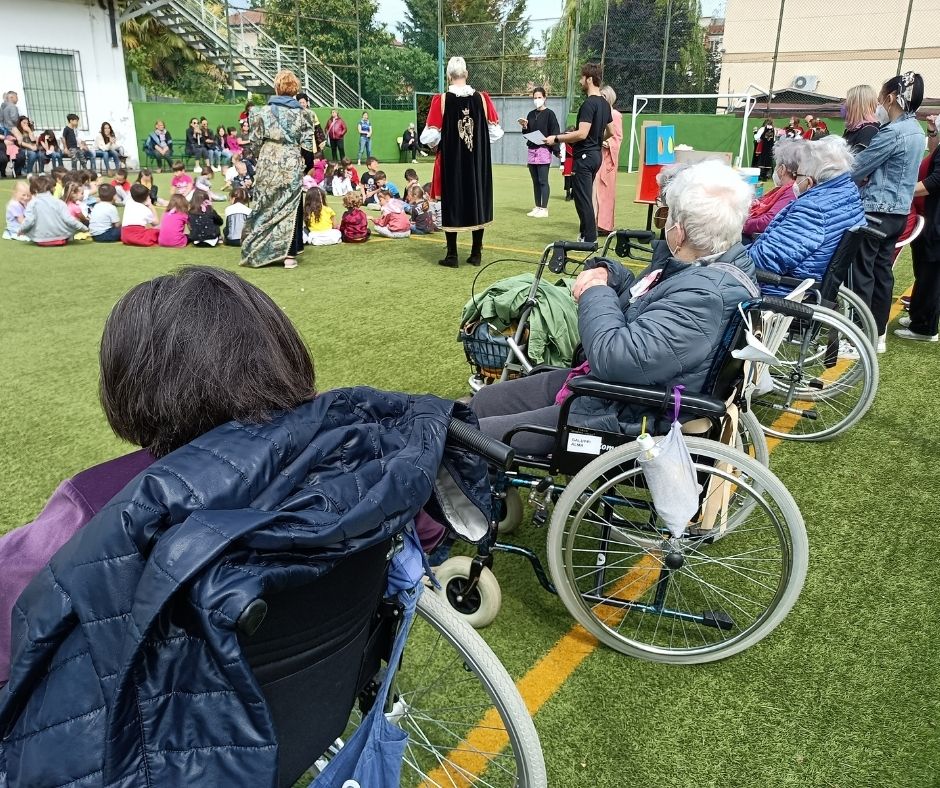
(419, 29)
(389, 70)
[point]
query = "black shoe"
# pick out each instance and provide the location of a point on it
(449, 261)
(474, 258)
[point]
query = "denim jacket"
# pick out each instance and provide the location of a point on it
(890, 165)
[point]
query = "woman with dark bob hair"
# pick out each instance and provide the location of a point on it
(180, 355)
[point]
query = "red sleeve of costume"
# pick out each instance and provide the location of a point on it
(435, 116)
(492, 116)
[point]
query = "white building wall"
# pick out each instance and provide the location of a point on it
(82, 26)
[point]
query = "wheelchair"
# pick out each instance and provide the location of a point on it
(711, 593)
(320, 671)
(824, 376)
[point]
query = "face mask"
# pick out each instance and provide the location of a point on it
(539, 102)
(672, 251)
(776, 176)
(882, 114)
(796, 189)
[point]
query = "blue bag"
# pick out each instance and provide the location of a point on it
(372, 757)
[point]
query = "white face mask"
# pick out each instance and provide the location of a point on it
(776, 176)
(882, 114)
(796, 189)
(672, 251)
(539, 102)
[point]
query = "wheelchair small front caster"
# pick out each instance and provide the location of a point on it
(512, 516)
(478, 606)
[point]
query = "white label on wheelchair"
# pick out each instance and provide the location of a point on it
(584, 444)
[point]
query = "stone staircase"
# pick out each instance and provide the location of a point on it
(255, 56)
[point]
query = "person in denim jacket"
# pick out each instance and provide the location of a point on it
(886, 172)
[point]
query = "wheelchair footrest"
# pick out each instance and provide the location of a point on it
(717, 619)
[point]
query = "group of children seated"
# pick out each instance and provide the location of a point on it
(51, 210)
(398, 218)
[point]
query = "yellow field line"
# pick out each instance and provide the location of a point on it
(547, 676)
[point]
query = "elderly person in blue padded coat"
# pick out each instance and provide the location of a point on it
(659, 328)
(802, 238)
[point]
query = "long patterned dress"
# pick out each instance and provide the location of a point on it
(278, 132)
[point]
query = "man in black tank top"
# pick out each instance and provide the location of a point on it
(595, 124)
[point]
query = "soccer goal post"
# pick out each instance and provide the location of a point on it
(640, 102)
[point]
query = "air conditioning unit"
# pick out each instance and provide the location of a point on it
(805, 82)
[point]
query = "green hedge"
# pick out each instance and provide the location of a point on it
(387, 124)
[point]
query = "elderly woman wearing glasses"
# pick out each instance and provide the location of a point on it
(801, 239)
(660, 327)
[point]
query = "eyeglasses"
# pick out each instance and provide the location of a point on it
(660, 216)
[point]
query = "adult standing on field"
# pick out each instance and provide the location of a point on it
(605, 186)
(279, 131)
(595, 124)
(461, 125)
(335, 133)
(539, 156)
(9, 112)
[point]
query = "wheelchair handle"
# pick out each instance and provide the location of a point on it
(576, 246)
(496, 452)
(770, 278)
(640, 236)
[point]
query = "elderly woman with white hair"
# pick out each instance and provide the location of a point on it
(802, 238)
(786, 157)
(661, 327)
(461, 125)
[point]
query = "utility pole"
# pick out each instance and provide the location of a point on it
(662, 81)
(773, 67)
(359, 59)
(604, 45)
(907, 24)
(440, 46)
(228, 36)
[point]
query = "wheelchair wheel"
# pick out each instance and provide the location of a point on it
(478, 607)
(466, 722)
(717, 590)
(751, 439)
(825, 380)
(850, 305)
(512, 519)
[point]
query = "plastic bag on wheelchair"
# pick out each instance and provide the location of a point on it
(670, 476)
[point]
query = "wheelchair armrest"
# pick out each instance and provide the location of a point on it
(698, 405)
(770, 278)
(783, 306)
(543, 368)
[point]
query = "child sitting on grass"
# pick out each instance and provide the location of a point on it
(16, 212)
(352, 172)
(122, 186)
(411, 179)
(242, 179)
(319, 167)
(104, 224)
(204, 222)
(319, 220)
(342, 185)
(204, 183)
(327, 183)
(47, 221)
(354, 226)
(58, 173)
(182, 182)
(139, 224)
(235, 215)
(422, 220)
(173, 226)
(90, 185)
(394, 222)
(309, 180)
(434, 206)
(146, 178)
(73, 203)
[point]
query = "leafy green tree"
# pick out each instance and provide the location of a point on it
(389, 70)
(420, 26)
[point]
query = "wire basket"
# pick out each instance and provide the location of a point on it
(486, 350)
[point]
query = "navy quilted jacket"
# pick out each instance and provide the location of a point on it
(802, 238)
(127, 670)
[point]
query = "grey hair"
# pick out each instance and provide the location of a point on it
(609, 94)
(789, 153)
(710, 201)
(456, 68)
(825, 159)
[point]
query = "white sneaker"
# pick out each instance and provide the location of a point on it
(197, 170)
(904, 321)
(882, 343)
(906, 333)
(217, 169)
(534, 212)
(847, 350)
(542, 214)
(8, 236)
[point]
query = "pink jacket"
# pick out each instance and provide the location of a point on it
(766, 208)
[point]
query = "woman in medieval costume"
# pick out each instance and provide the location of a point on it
(274, 228)
(461, 124)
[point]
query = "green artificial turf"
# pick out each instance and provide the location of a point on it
(844, 693)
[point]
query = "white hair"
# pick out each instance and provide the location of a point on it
(609, 94)
(789, 153)
(825, 159)
(710, 201)
(456, 68)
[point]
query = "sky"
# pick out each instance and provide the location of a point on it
(391, 11)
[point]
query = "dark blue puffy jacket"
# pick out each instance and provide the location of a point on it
(117, 682)
(802, 238)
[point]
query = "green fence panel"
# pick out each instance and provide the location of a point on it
(387, 125)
